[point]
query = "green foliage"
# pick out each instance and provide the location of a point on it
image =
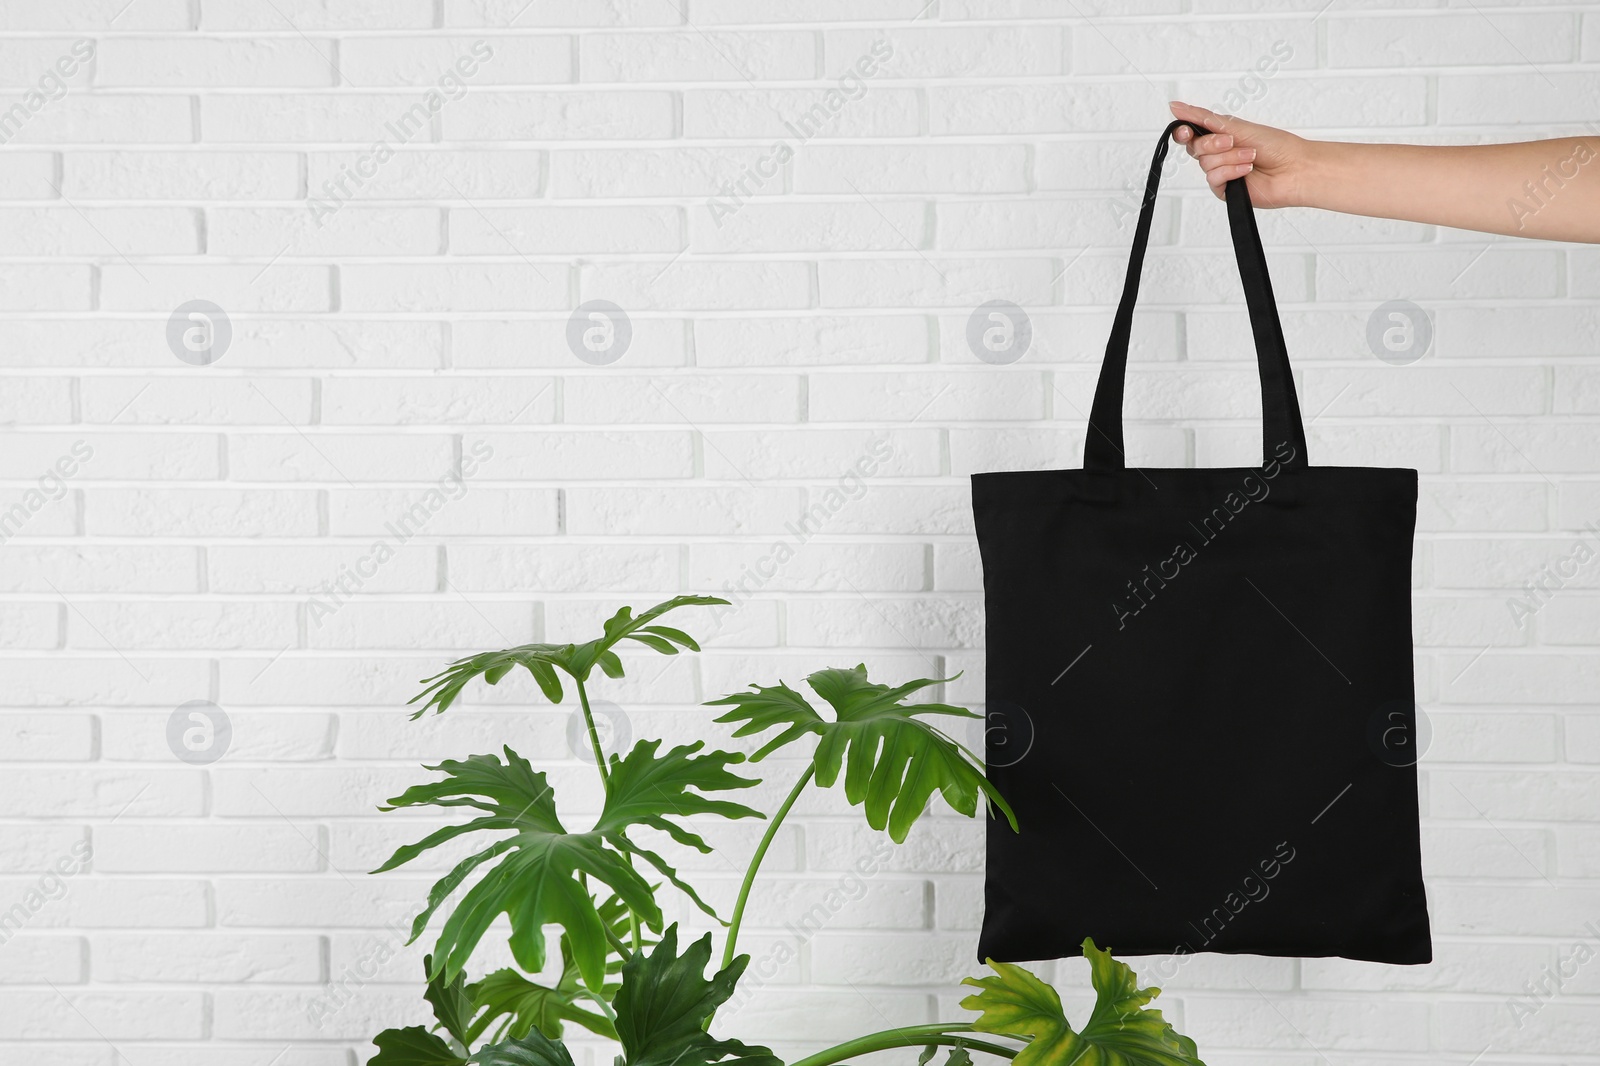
(534, 883)
(651, 791)
(666, 1001)
(413, 1046)
(576, 660)
(617, 980)
(893, 758)
(531, 1050)
(1119, 1032)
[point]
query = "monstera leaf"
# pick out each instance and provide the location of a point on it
(413, 1046)
(531, 1050)
(650, 790)
(1120, 1031)
(893, 760)
(535, 883)
(576, 660)
(665, 1003)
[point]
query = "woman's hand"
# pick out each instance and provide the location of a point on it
(1271, 161)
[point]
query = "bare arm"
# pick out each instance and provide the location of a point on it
(1546, 190)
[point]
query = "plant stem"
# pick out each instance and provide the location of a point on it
(755, 862)
(594, 736)
(616, 942)
(910, 1036)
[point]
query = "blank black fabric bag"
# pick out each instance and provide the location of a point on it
(1200, 686)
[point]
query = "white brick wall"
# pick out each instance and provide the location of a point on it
(203, 511)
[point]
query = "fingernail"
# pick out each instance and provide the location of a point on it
(1249, 167)
(1249, 153)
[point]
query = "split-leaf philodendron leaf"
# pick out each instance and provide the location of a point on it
(893, 758)
(665, 1001)
(575, 660)
(1120, 1031)
(532, 1050)
(413, 1046)
(535, 882)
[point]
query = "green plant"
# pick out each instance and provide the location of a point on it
(622, 975)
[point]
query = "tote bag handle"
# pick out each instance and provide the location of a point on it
(1103, 449)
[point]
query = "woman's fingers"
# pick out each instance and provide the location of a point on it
(1219, 176)
(1210, 144)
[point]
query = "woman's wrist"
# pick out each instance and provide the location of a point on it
(1309, 177)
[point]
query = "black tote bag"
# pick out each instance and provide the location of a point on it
(1200, 686)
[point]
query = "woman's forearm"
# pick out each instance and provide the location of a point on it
(1548, 190)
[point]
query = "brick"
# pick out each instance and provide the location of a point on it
(469, 60)
(823, 340)
(697, 56)
(101, 1015)
(421, 171)
(682, 285)
(1254, 51)
(97, 14)
(101, 568)
(350, 231)
(213, 958)
(31, 960)
(207, 849)
(431, 400)
(200, 512)
(798, 115)
(44, 287)
(548, 230)
(925, 282)
(263, 62)
(456, 287)
(55, 737)
(306, 569)
(234, 288)
(107, 119)
(317, 15)
(277, 736)
(826, 227)
(543, 342)
(151, 174)
(468, 627)
(99, 231)
(488, 115)
(681, 510)
(614, 399)
(339, 457)
(556, 567)
(101, 626)
(698, 172)
(911, 168)
(595, 454)
(938, 397)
